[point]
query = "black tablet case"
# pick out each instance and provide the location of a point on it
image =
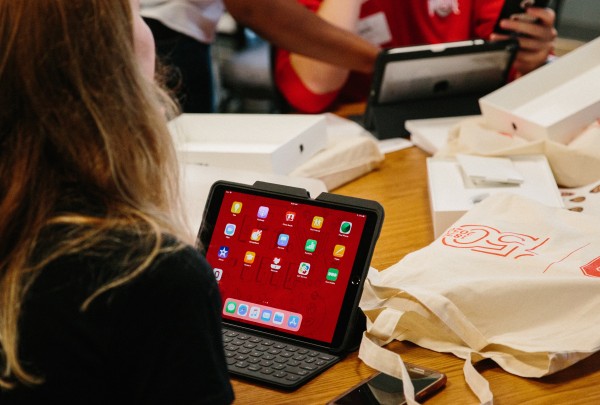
(431, 81)
(357, 322)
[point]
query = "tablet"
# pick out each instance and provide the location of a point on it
(290, 268)
(432, 81)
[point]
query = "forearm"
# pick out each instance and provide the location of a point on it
(287, 24)
(317, 76)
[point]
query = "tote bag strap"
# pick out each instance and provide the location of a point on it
(387, 362)
(382, 331)
(479, 385)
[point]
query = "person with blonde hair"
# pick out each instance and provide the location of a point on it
(103, 299)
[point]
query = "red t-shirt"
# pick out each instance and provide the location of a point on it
(409, 22)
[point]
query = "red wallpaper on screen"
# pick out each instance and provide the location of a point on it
(271, 279)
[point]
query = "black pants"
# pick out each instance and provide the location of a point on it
(189, 65)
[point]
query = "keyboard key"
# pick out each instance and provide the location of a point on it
(308, 367)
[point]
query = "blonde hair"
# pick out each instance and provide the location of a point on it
(83, 145)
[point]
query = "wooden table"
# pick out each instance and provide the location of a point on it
(400, 185)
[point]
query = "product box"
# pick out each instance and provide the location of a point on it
(555, 102)
(273, 143)
(452, 193)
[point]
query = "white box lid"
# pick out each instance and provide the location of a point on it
(274, 143)
(555, 102)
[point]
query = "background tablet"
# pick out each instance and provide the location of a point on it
(434, 81)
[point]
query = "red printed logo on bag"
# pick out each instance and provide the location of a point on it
(488, 240)
(592, 269)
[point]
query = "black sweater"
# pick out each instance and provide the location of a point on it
(154, 340)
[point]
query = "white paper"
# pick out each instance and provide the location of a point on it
(482, 169)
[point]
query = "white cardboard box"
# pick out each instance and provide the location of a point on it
(273, 143)
(556, 101)
(196, 181)
(451, 193)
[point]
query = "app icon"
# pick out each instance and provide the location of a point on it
(218, 273)
(345, 227)
(311, 245)
(223, 252)
(332, 274)
(229, 229)
(317, 222)
(262, 211)
(304, 269)
(276, 264)
(242, 310)
(236, 207)
(278, 318)
(266, 315)
(339, 250)
(256, 234)
(254, 313)
(249, 257)
(230, 307)
(293, 322)
(283, 239)
(290, 216)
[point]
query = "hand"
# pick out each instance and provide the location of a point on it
(536, 38)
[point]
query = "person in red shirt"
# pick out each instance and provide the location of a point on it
(311, 86)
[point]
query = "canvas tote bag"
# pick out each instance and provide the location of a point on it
(512, 280)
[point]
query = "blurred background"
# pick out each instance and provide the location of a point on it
(243, 63)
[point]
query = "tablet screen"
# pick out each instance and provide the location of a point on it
(287, 265)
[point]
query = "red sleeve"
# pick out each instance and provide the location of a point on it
(486, 14)
(298, 96)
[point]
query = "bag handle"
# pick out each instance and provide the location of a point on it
(387, 362)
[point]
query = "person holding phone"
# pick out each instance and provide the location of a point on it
(103, 298)
(311, 86)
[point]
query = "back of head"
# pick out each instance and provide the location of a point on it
(82, 135)
(75, 111)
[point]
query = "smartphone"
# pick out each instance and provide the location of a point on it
(382, 389)
(516, 9)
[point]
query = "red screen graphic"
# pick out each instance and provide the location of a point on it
(284, 265)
